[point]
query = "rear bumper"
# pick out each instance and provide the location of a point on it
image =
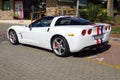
(94, 46)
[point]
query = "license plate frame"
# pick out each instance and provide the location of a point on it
(98, 36)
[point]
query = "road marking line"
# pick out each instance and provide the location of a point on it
(103, 63)
(99, 59)
(91, 57)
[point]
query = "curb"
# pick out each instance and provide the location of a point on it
(16, 21)
(115, 39)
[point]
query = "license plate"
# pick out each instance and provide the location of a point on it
(98, 36)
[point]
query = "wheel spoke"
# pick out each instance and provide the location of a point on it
(61, 42)
(56, 41)
(62, 47)
(56, 44)
(59, 51)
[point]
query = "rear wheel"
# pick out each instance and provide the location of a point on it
(60, 46)
(13, 37)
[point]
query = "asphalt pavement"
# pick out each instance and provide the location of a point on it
(22, 62)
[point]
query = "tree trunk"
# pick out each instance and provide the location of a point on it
(110, 8)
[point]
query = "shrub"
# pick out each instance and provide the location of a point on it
(91, 12)
(117, 19)
(95, 13)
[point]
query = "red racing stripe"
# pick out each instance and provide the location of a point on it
(97, 41)
(98, 29)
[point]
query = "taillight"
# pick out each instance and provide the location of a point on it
(107, 28)
(83, 32)
(89, 31)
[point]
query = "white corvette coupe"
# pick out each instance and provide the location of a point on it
(63, 35)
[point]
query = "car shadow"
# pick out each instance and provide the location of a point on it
(80, 54)
(35, 47)
(88, 53)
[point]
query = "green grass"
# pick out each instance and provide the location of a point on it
(117, 20)
(116, 30)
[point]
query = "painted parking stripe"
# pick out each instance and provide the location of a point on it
(102, 63)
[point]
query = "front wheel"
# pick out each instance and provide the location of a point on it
(60, 46)
(13, 37)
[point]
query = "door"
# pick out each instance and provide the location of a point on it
(38, 32)
(36, 36)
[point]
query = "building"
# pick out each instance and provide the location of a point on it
(21, 9)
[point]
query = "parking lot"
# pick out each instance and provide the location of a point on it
(23, 62)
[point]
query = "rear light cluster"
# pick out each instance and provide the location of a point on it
(107, 28)
(84, 32)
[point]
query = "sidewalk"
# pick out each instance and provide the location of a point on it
(114, 39)
(15, 21)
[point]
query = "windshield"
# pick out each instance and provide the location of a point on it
(43, 22)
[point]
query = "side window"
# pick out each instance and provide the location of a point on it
(63, 21)
(72, 21)
(75, 22)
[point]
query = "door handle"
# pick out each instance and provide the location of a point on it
(48, 29)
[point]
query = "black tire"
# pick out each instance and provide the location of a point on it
(60, 46)
(13, 39)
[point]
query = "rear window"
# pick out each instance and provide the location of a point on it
(72, 21)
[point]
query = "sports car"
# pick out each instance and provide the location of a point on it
(61, 34)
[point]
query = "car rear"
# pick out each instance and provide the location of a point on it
(92, 35)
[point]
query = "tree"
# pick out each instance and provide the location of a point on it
(110, 8)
